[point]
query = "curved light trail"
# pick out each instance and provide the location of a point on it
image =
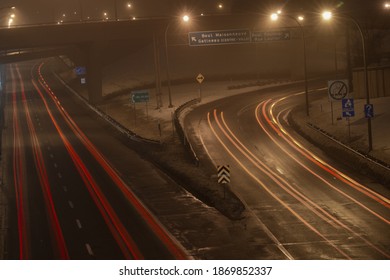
(295, 191)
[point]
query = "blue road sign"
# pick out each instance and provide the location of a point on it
(219, 37)
(348, 107)
(139, 96)
(369, 110)
(80, 70)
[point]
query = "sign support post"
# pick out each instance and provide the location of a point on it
(200, 79)
(139, 96)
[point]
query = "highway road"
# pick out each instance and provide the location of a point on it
(67, 201)
(308, 206)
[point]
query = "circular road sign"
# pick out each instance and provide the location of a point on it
(338, 89)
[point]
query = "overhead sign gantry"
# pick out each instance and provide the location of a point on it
(235, 36)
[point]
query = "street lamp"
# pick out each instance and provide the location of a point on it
(8, 7)
(10, 20)
(327, 16)
(275, 17)
(185, 18)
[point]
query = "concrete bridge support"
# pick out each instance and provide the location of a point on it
(94, 55)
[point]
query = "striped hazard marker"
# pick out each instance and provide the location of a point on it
(223, 174)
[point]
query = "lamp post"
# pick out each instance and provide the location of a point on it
(10, 21)
(81, 10)
(116, 10)
(185, 18)
(11, 18)
(327, 16)
(275, 17)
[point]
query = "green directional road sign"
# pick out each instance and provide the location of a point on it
(219, 37)
(261, 36)
(139, 96)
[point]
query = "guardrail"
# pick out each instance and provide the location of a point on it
(180, 131)
(362, 154)
(119, 127)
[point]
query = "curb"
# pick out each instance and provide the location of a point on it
(341, 152)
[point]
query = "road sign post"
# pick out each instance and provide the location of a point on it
(223, 174)
(139, 96)
(338, 89)
(369, 111)
(348, 107)
(80, 70)
(200, 79)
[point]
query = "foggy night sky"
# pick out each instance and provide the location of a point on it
(45, 11)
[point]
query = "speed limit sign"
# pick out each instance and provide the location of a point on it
(338, 89)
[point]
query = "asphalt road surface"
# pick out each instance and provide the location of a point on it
(67, 201)
(308, 206)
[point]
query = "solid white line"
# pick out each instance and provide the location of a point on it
(205, 148)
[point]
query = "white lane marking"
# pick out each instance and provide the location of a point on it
(55, 165)
(280, 170)
(51, 155)
(59, 175)
(78, 223)
(65, 188)
(71, 205)
(205, 148)
(89, 249)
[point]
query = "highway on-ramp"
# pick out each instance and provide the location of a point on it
(306, 205)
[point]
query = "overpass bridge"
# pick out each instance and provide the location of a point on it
(87, 43)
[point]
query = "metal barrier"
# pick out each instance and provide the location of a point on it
(180, 131)
(357, 152)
